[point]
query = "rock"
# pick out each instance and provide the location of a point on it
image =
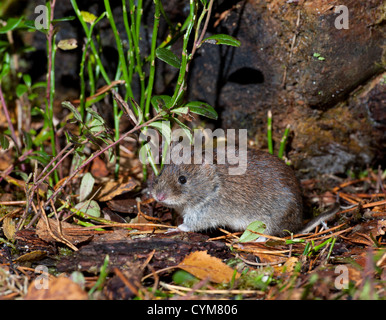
(294, 61)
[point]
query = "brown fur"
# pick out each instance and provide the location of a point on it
(268, 191)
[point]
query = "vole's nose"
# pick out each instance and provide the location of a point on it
(161, 196)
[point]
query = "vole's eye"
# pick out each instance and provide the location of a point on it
(182, 179)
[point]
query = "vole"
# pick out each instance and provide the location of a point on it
(207, 196)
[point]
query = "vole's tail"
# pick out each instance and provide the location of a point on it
(325, 216)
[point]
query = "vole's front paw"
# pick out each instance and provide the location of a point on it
(180, 228)
(183, 227)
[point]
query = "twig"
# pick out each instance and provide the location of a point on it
(205, 27)
(6, 113)
(97, 154)
(174, 287)
(259, 263)
(10, 168)
(125, 281)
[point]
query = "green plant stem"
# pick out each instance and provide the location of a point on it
(135, 34)
(51, 49)
(92, 45)
(102, 276)
(184, 61)
(82, 68)
(130, 55)
(122, 58)
(149, 89)
(269, 132)
(283, 142)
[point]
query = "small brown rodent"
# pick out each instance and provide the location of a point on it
(207, 196)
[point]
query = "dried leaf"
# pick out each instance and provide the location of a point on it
(56, 289)
(31, 256)
(86, 186)
(288, 266)
(99, 168)
(68, 44)
(9, 228)
(202, 265)
(72, 233)
(114, 188)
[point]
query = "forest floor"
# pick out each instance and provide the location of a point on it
(126, 253)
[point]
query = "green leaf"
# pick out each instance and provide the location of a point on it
(202, 108)
(86, 186)
(181, 110)
(4, 67)
(186, 129)
(69, 18)
(96, 115)
(4, 44)
(88, 17)
(222, 39)
(27, 140)
(43, 135)
(71, 107)
(169, 57)
(182, 277)
(27, 80)
(161, 102)
(248, 236)
(12, 23)
(21, 89)
(41, 84)
(164, 128)
(90, 207)
(41, 156)
(4, 142)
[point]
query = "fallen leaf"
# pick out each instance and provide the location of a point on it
(68, 44)
(89, 207)
(60, 288)
(31, 256)
(114, 188)
(86, 186)
(288, 267)
(9, 228)
(99, 168)
(249, 235)
(202, 265)
(381, 227)
(72, 233)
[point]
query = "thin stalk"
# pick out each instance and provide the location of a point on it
(82, 68)
(283, 141)
(121, 54)
(9, 121)
(130, 55)
(135, 34)
(97, 154)
(181, 77)
(51, 49)
(149, 89)
(92, 45)
(269, 132)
